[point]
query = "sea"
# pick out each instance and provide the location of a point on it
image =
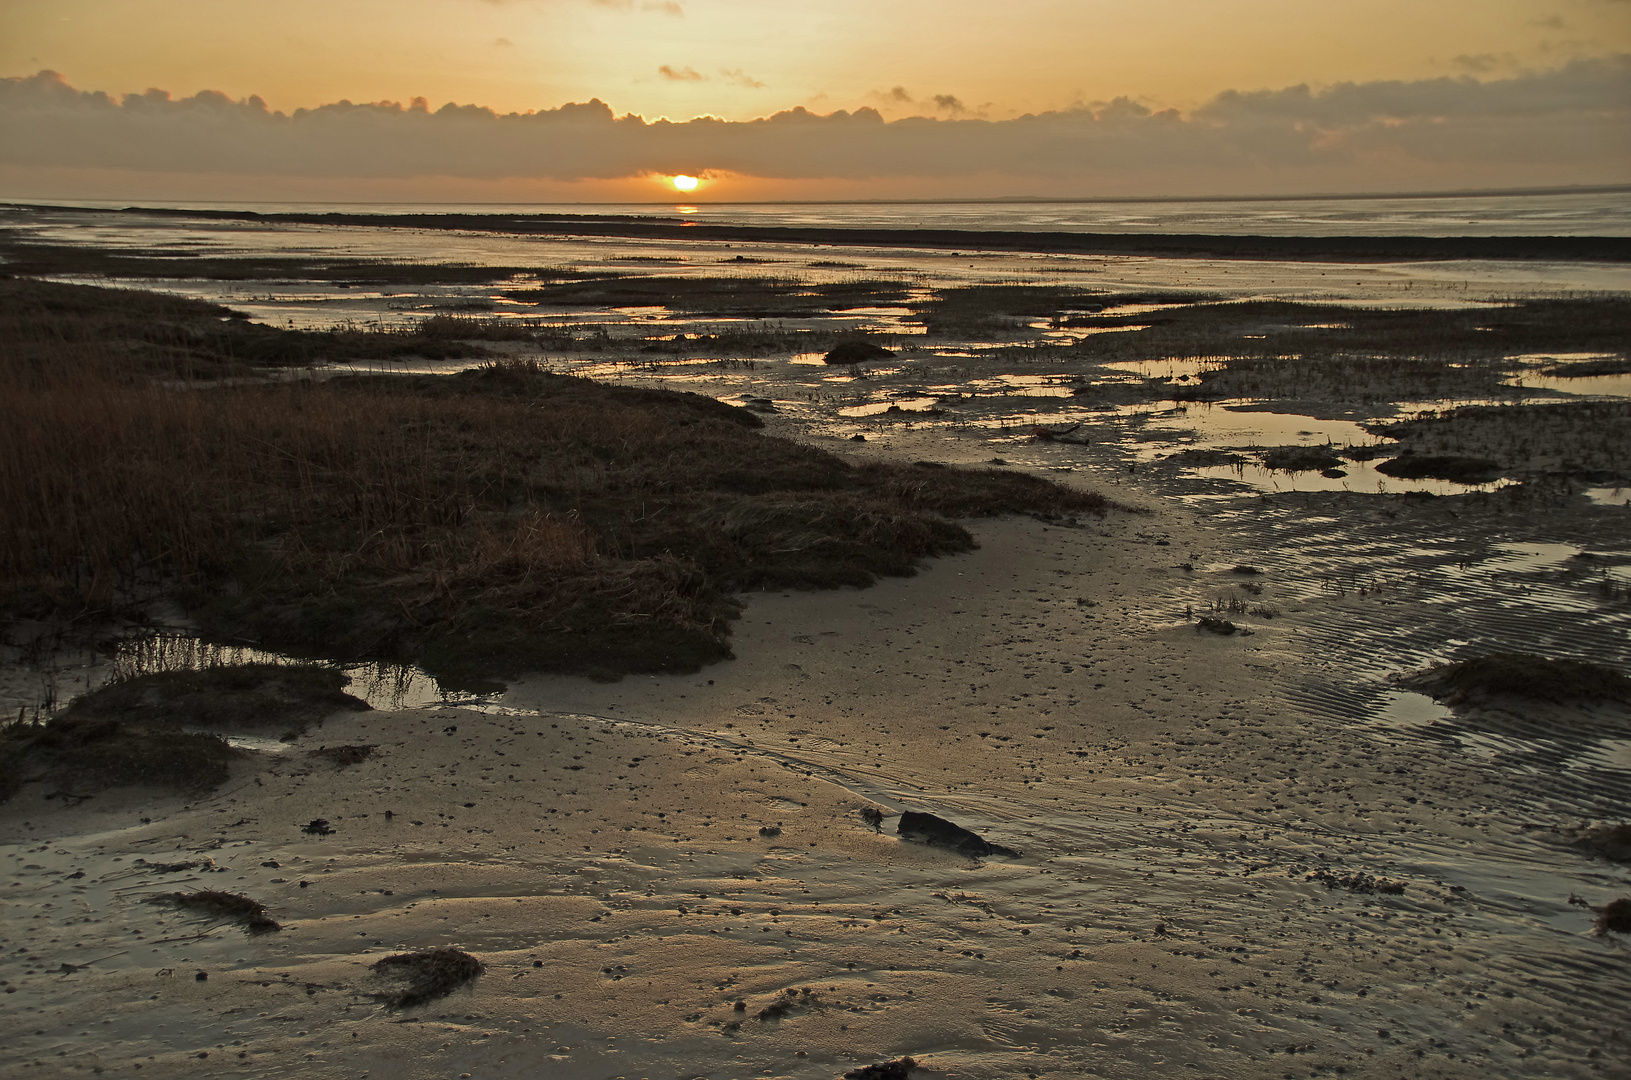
(1583, 212)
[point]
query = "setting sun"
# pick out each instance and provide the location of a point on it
(686, 183)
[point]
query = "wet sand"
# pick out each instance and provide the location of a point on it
(599, 848)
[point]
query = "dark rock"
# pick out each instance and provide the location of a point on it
(929, 829)
(873, 817)
(858, 352)
(1215, 626)
(317, 827)
(769, 832)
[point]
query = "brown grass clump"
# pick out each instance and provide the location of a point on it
(1612, 842)
(342, 756)
(1536, 678)
(235, 907)
(486, 523)
(424, 976)
(1614, 917)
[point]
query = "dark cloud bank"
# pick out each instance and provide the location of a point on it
(1572, 123)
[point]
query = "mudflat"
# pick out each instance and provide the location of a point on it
(1210, 853)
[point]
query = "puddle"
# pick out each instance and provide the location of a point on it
(1616, 386)
(50, 687)
(877, 408)
(1609, 496)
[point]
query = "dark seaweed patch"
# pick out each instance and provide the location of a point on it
(424, 976)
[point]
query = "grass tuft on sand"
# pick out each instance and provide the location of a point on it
(501, 520)
(424, 976)
(232, 907)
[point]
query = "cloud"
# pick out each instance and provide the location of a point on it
(1567, 125)
(662, 7)
(949, 103)
(1484, 63)
(737, 77)
(683, 74)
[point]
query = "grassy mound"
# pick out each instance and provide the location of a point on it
(424, 976)
(1520, 675)
(130, 732)
(263, 697)
(78, 755)
(1462, 470)
(497, 521)
(1301, 458)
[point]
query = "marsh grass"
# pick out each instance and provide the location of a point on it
(24, 258)
(759, 296)
(499, 520)
(423, 977)
(1588, 438)
(1275, 329)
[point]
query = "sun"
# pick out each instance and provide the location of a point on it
(685, 183)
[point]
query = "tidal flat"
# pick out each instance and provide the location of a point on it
(666, 622)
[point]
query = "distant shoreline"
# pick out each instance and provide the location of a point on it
(1169, 245)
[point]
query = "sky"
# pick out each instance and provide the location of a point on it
(542, 100)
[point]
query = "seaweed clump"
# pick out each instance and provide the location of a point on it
(425, 976)
(234, 907)
(1535, 678)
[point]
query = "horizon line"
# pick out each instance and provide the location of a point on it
(1570, 189)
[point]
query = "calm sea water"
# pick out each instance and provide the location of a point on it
(1548, 214)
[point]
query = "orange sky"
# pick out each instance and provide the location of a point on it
(745, 59)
